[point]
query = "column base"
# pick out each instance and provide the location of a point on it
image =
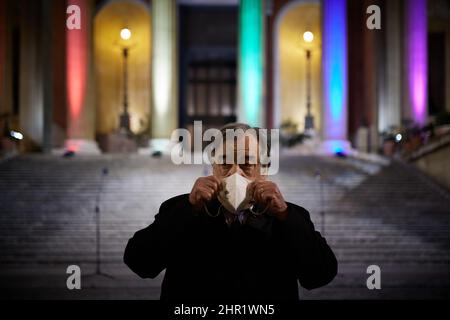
(79, 146)
(336, 147)
(163, 146)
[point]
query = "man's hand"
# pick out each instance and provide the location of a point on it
(267, 194)
(205, 189)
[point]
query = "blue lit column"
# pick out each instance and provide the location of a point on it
(334, 66)
(251, 62)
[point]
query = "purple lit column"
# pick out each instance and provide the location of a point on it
(416, 52)
(334, 68)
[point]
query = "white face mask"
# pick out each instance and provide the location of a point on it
(233, 195)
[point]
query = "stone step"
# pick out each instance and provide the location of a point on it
(374, 214)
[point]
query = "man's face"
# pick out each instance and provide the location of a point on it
(245, 158)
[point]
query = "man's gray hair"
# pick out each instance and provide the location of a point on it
(264, 148)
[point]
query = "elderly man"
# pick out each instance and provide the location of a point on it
(233, 237)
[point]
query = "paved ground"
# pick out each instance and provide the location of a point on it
(391, 216)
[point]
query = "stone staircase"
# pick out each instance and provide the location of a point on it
(388, 215)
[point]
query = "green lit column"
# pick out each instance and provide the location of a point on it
(164, 73)
(251, 62)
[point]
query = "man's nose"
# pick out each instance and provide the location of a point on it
(236, 169)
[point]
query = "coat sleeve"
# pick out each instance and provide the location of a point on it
(314, 262)
(147, 252)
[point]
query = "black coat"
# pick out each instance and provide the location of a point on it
(205, 259)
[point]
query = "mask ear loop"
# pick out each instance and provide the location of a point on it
(258, 213)
(209, 213)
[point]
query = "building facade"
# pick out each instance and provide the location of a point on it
(372, 65)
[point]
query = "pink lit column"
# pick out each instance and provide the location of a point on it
(416, 57)
(79, 84)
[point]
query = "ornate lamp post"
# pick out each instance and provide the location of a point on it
(125, 35)
(308, 37)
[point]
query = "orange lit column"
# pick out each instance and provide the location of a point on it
(79, 81)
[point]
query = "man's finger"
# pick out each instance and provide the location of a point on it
(251, 189)
(207, 192)
(253, 186)
(198, 198)
(215, 179)
(257, 194)
(212, 183)
(253, 192)
(267, 196)
(206, 181)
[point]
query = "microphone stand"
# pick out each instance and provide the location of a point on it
(98, 271)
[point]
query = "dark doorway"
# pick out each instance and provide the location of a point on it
(208, 40)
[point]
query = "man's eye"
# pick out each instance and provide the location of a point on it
(247, 167)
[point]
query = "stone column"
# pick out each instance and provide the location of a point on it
(447, 66)
(269, 75)
(164, 113)
(3, 46)
(79, 82)
(47, 77)
(251, 62)
(31, 114)
(416, 60)
(390, 100)
(334, 75)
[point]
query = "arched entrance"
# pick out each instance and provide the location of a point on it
(290, 63)
(110, 19)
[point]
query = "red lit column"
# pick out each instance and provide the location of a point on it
(79, 84)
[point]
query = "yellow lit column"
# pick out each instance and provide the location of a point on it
(164, 73)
